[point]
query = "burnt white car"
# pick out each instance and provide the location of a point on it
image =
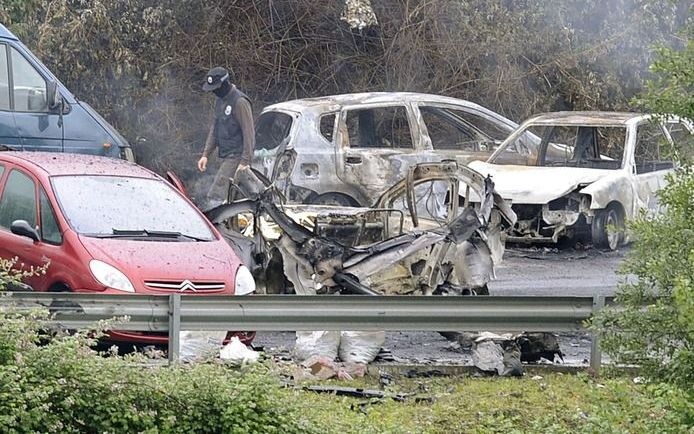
(348, 149)
(569, 174)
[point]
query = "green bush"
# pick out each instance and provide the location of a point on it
(64, 386)
(655, 326)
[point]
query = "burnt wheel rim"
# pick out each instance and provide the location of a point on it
(612, 230)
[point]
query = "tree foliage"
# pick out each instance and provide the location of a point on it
(141, 62)
(655, 328)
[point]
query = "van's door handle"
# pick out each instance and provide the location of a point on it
(353, 160)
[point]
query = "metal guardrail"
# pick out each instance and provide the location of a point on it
(177, 312)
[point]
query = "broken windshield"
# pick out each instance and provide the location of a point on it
(564, 146)
(98, 205)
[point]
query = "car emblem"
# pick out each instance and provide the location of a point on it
(187, 285)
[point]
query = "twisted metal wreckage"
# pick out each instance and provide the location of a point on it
(414, 240)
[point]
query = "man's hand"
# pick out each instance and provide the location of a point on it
(202, 164)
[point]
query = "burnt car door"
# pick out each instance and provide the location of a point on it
(652, 162)
(461, 133)
(273, 130)
(376, 145)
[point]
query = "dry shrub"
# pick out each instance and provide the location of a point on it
(141, 62)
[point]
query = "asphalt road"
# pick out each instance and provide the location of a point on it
(524, 271)
(545, 271)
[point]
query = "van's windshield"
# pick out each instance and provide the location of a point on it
(139, 208)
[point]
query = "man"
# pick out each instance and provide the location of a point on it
(231, 132)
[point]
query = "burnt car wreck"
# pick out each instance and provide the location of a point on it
(438, 231)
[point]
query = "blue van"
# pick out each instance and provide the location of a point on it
(38, 113)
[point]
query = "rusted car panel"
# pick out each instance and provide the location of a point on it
(390, 249)
(348, 149)
(584, 172)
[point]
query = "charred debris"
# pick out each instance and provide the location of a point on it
(438, 231)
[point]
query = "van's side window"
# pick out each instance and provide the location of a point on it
(29, 88)
(379, 127)
(18, 200)
(4, 79)
(50, 231)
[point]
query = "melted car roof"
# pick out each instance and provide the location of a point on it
(334, 102)
(56, 164)
(587, 118)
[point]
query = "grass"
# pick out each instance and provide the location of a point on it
(556, 403)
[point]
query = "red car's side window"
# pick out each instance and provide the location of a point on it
(50, 230)
(18, 200)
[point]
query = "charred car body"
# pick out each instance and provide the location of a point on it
(348, 149)
(573, 173)
(414, 240)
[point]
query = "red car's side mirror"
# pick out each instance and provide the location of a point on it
(24, 229)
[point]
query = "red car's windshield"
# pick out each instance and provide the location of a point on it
(122, 206)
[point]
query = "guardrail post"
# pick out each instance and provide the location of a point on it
(174, 327)
(595, 352)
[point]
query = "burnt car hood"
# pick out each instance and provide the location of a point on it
(165, 261)
(537, 185)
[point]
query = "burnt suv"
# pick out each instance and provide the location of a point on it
(348, 149)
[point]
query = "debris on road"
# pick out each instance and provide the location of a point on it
(238, 354)
(325, 368)
(504, 354)
(199, 345)
(355, 392)
(536, 346)
(351, 347)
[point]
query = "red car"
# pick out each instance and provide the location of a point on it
(112, 227)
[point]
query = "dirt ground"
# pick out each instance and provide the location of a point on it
(524, 271)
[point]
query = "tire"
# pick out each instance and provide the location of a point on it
(336, 199)
(607, 229)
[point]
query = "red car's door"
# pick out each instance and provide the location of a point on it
(19, 200)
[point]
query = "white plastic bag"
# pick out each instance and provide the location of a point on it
(360, 347)
(236, 353)
(196, 345)
(320, 343)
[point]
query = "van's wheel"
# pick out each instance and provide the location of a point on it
(336, 199)
(607, 229)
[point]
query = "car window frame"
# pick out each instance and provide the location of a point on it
(13, 106)
(343, 132)
(61, 230)
(3, 185)
(290, 133)
(10, 94)
(476, 132)
(336, 120)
